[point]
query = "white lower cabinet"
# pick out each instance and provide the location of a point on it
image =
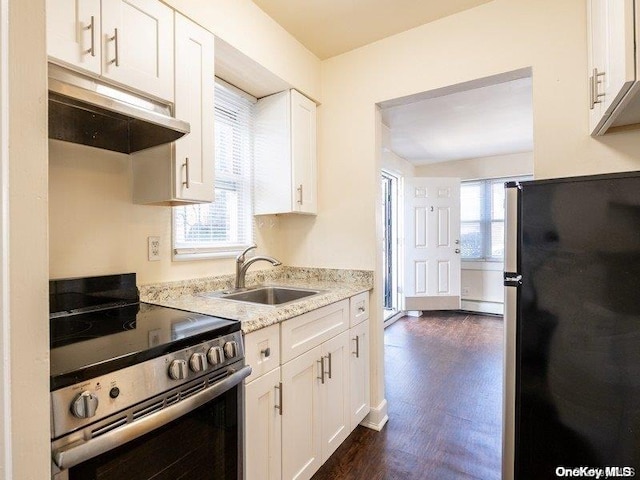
(301, 416)
(298, 413)
(263, 432)
(359, 373)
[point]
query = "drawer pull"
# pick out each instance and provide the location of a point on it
(266, 353)
(357, 352)
(321, 377)
(361, 309)
(279, 406)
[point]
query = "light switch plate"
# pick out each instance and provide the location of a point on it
(154, 249)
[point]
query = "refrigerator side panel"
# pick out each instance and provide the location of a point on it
(510, 321)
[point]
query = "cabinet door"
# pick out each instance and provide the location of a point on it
(263, 431)
(611, 57)
(334, 393)
(194, 87)
(301, 451)
(359, 373)
(137, 45)
(303, 152)
(73, 33)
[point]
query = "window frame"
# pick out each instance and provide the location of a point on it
(227, 250)
(487, 219)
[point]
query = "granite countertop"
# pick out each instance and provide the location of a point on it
(189, 295)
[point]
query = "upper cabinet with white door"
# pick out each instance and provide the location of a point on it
(129, 42)
(285, 155)
(183, 172)
(613, 64)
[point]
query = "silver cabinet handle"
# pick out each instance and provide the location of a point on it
(92, 29)
(279, 406)
(361, 309)
(300, 194)
(187, 181)
(116, 60)
(357, 352)
(330, 369)
(594, 82)
(321, 377)
(266, 353)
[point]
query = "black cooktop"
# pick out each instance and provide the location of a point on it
(94, 331)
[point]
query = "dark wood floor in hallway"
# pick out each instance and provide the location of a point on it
(443, 375)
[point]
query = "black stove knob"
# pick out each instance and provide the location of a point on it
(198, 362)
(231, 349)
(178, 370)
(84, 405)
(215, 355)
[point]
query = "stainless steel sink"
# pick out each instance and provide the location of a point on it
(267, 295)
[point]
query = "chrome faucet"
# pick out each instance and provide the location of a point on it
(242, 265)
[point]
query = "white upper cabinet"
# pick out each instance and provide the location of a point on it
(613, 65)
(194, 175)
(73, 33)
(285, 155)
(129, 42)
(183, 172)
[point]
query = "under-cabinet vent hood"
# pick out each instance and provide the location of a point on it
(87, 111)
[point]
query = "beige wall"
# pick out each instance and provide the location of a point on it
(498, 166)
(28, 263)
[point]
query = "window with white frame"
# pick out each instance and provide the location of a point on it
(224, 227)
(482, 219)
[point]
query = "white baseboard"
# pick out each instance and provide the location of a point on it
(495, 308)
(377, 417)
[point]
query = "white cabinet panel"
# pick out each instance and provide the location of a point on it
(262, 351)
(183, 172)
(263, 431)
(137, 45)
(334, 393)
(359, 373)
(359, 306)
(301, 417)
(285, 155)
(73, 33)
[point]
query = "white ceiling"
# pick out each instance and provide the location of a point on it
(331, 27)
(480, 122)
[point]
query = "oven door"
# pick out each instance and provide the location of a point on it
(197, 438)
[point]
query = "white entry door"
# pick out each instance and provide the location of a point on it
(432, 244)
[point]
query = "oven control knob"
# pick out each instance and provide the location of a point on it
(198, 362)
(84, 405)
(231, 349)
(178, 369)
(215, 355)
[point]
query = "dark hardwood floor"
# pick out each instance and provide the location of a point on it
(443, 376)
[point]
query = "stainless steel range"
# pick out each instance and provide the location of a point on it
(140, 391)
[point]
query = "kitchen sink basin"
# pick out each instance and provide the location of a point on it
(268, 295)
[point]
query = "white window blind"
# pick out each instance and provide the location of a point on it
(482, 218)
(226, 225)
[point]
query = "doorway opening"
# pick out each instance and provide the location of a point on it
(390, 257)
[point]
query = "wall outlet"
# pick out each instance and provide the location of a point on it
(153, 248)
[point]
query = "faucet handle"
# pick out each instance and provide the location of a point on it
(240, 258)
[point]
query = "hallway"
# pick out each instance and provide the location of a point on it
(443, 374)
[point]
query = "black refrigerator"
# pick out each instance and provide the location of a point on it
(572, 328)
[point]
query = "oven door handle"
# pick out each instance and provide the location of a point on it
(76, 453)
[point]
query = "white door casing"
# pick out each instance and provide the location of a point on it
(432, 244)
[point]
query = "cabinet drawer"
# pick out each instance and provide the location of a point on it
(262, 351)
(359, 308)
(311, 329)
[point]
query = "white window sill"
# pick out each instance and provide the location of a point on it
(187, 255)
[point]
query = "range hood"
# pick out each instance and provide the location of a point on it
(87, 111)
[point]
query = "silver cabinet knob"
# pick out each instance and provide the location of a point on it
(231, 349)
(215, 355)
(198, 362)
(178, 369)
(84, 405)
